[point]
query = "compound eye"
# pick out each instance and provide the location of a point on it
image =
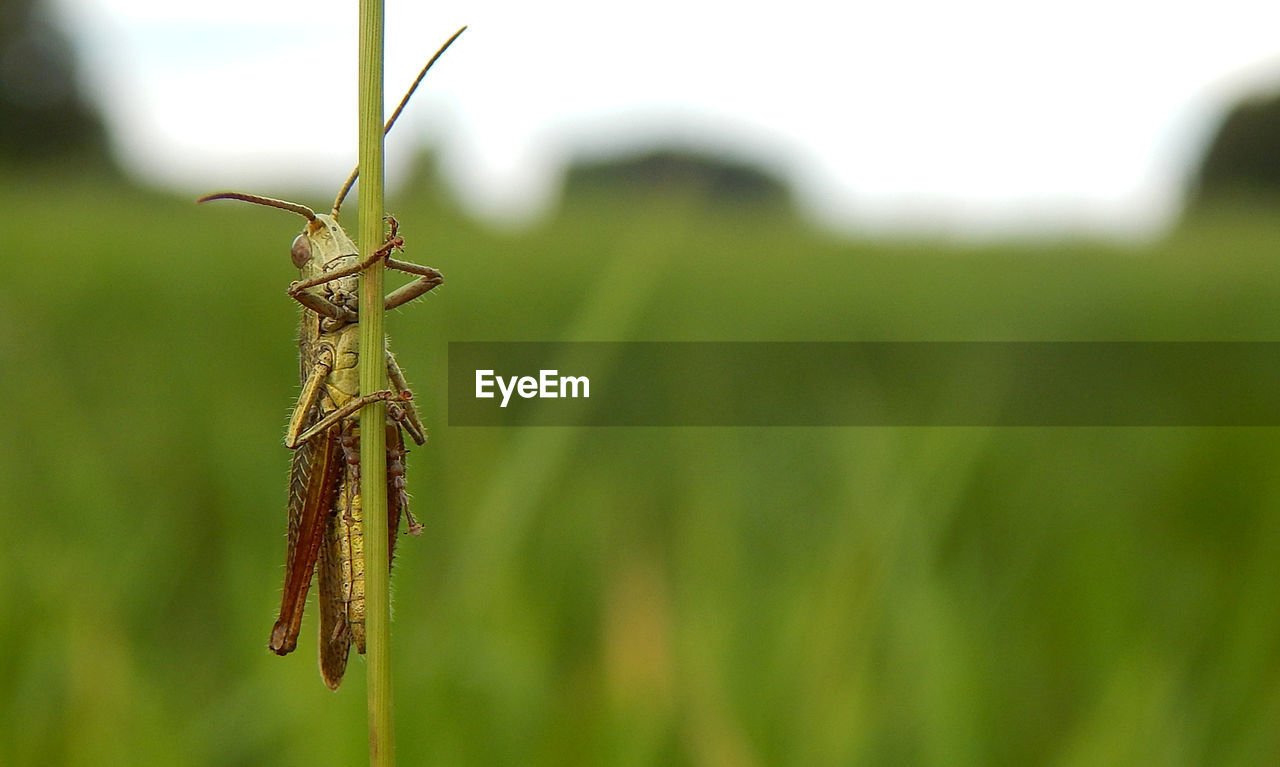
(300, 251)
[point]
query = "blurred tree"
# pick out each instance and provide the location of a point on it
(1244, 156)
(714, 180)
(424, 182)
(43, 116)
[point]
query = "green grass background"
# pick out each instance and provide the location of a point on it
(747, 596)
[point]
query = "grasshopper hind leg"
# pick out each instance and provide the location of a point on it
(340, 570)
(407, 412)
(336, 570)
(335, 632)
(397, 496)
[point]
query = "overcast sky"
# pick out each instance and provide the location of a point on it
(984, 117)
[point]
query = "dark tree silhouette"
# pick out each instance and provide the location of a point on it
(42, 113)
(1244, 156)
(712, 179)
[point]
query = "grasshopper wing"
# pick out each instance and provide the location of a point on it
(312, 483)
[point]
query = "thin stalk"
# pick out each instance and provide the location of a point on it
(373, 377)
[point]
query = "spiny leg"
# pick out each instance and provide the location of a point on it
(397, 496)
(323, 306)
(346, 535)
(307, 400)
(411, 421)
(428, 279)
(335, 633)
(350, 408)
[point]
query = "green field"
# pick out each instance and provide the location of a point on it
(733, 596)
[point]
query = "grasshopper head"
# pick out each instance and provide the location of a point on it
(321, 245)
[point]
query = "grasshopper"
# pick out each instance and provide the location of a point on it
(326, 529)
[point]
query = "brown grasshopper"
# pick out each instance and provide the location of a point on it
(325, 516)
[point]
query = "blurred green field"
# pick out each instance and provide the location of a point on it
(908, 596)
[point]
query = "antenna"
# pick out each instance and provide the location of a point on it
(351, 180)
(301, 210)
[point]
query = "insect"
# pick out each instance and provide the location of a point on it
(326, 527)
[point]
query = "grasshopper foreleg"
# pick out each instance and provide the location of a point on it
(428, 279)
(323, 306)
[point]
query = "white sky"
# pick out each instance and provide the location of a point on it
(986, 117)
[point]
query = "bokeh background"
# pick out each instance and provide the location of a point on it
(729, 596)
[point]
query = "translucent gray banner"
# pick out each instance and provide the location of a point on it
(865, 384)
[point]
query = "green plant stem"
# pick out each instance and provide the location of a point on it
(373, 377)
